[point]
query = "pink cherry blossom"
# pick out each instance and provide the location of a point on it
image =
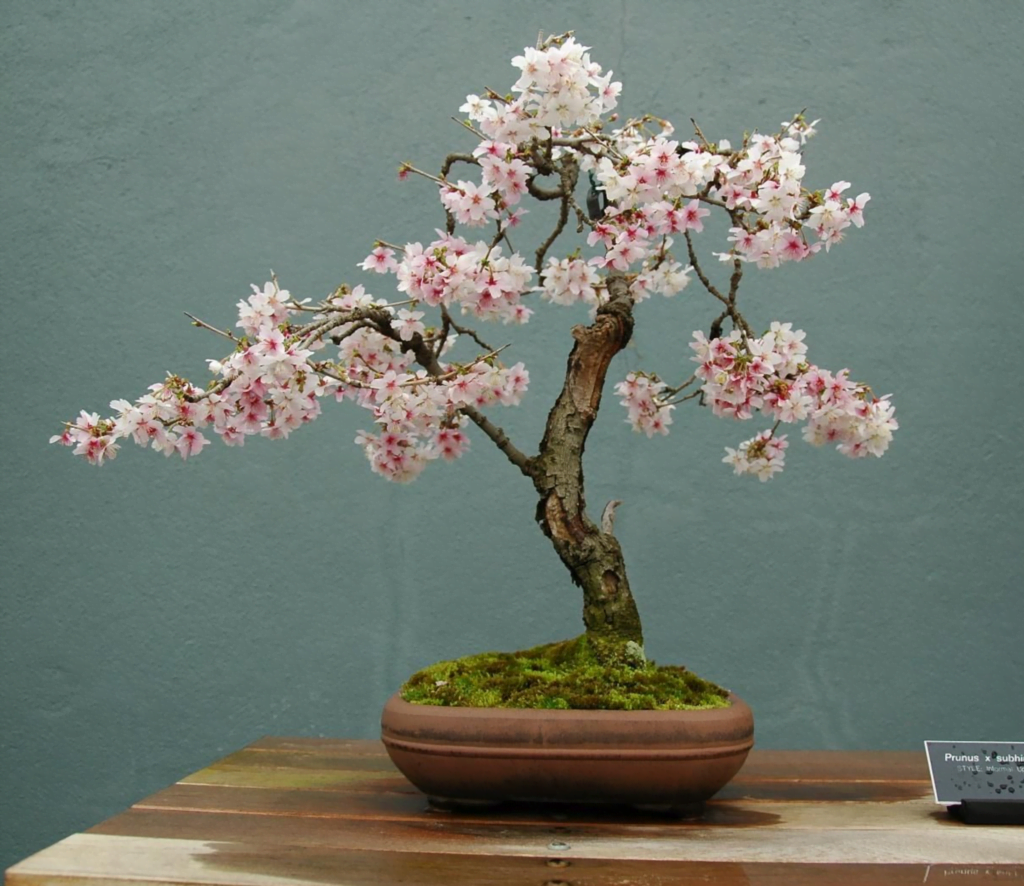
(190, 442)
(639, 395)
(409, 324)
(471, 205)
(763, 456)
(381, 260)
(693, 212)
(396, 359)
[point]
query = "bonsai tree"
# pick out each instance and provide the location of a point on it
(418, 362)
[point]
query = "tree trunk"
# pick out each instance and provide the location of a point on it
(591, 553)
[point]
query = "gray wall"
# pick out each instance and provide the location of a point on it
(159, 157)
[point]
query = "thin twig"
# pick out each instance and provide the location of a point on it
(202, 323)
(583, 144)
(671, 392)
(356, 326)
(462, 330)
(442, 335)
(712, 201)
(408, 167)
(470, 127)
(582, 219)
(496, 96)
(452, 159)
(708, 285)
(563, 217)
(313, 331)
(689, 396)
(399, 304)
(700, 134)
(321, 368)
(568, 175)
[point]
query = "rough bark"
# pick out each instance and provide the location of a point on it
(591, 553)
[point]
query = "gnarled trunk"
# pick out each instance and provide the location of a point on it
(590, 552)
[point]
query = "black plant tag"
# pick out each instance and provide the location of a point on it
(984, 776)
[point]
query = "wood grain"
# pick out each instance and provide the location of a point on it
(292, 810)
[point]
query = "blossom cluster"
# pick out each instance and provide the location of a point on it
(567, 281)
(504, 181)
(642, 234)
(269, 386)
(763, 455)
(760, 184)
(419, 416)
(770, 374)
(648, 191)
(560, 88)
(640, 395)
(479, 278)
(653, 187)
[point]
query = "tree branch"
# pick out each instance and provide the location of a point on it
(708, 285)
(452, 159)
(730, 300)
(426, 358)
(563, 218)
(449, 321)
(568, 175)
(500, 438)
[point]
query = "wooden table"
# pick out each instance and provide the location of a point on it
(293, 810)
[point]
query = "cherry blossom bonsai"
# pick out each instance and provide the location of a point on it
(636, 198)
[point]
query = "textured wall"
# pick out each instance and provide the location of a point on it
(159, 157)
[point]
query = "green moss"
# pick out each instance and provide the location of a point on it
(569, 674)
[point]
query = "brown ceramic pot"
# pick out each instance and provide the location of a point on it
(670, 760)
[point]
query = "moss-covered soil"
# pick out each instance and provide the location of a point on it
(561, 675)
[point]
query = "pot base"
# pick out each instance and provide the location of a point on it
(456, 804)
(461, 804)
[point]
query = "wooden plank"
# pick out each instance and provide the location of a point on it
(902, 832)
(86, 860)
(760, 765)
(300, 759)
(95, 858)
(822, 775)
(307, 764)
(343, 781)
(336, 746)
(407, 802)
(298, 779)
(289, 811)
